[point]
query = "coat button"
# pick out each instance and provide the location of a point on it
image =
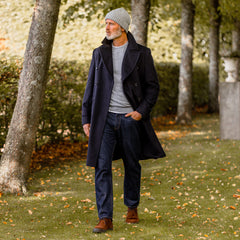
(135, 84)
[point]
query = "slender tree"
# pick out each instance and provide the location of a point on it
(236, 43)
(140, 18)
(236, 36)
(215, 20)
(14, 165)
(184, 112)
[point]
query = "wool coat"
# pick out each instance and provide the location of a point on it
(141, 87)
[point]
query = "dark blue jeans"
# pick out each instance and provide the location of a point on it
(124, 132)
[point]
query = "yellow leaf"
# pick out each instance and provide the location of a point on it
(152, 212)
(86, 200)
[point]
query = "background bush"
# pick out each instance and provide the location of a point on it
(168, 74)
(61, 114)
(9, 74)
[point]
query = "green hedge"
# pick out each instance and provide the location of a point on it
(9, 75)
(168, 74)
(61, 115)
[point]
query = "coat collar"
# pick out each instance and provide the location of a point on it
(130, 58)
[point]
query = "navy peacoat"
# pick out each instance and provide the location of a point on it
(140, 85)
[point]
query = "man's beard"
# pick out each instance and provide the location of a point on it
(114, 35)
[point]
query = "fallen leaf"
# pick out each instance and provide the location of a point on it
(180, 183)
(86, 200)
(92, 208)
(236, 196)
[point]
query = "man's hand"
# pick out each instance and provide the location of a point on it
(134, 115)
(86, 129)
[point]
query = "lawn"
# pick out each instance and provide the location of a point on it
(193, 193)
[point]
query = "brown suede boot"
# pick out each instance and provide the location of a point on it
(103, 225)
(132, 216)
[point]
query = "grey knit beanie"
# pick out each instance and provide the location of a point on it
(120, 16)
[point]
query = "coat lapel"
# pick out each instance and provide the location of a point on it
(129, 62)
(130, 59)
(106, 52)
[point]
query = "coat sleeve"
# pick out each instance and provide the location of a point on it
(150, 86)
(88, 94)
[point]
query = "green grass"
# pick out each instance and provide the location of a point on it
(190, 194)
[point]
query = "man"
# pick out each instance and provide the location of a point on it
(121, 90)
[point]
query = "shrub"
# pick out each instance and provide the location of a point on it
(168, 74)
(61, 113)
(9, 74)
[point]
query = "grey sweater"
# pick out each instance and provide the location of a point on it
(119, 103)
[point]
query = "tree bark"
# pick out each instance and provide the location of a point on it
(15, 161)
(236, 43)
(184, 113)
(236, 36)
(140, 18)
(213, 105)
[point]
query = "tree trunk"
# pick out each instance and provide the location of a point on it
(184, 113)
(213, 105)
(236, 36)
(14, 165)
(140, 18)
(236, 44)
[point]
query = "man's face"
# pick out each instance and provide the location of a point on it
(113, 30)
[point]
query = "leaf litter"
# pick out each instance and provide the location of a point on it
(185, 189)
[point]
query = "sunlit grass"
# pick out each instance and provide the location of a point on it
(193, 193)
